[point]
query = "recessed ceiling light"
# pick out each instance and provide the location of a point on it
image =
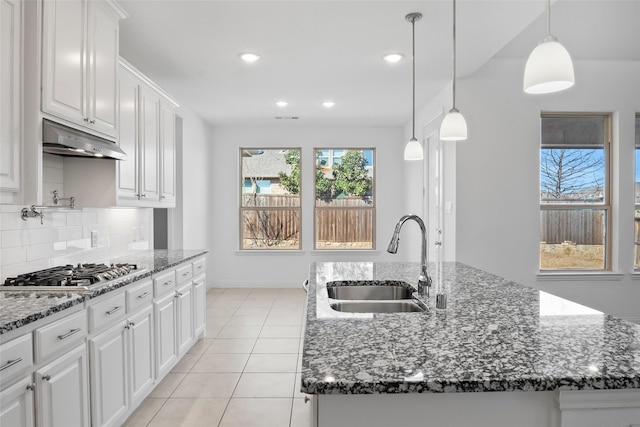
(249, 57)
(393, 57)
(282, 103)
(328, 104)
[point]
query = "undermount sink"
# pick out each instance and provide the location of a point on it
(372, 296)
(370, 290)
(406, 306)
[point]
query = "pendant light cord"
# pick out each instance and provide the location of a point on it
(548, 4)
(413, 61)
(454, 55)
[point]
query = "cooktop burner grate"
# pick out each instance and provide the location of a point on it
(81, 275)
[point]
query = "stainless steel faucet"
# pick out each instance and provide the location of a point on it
(424, 281)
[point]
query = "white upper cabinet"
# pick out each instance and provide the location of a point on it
(10, 105)
(167, 154)
(80, 62)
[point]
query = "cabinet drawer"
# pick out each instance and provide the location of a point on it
(60, 334)
(184, 273)
(139, 296)
(107, 311)
(164, 283)
(15, 356)
(199, 267)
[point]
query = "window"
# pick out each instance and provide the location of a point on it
(270, 198)
(575, 208)
(344, 207)
(636, 251)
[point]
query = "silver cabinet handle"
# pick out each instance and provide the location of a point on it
(46, 377)
(93, 122)
(113, 310)
(144, 295)
(68, 334)
(162, 197)
(31, 386)
(170, 282)
(186, 274)
(129, 325)
(10, 363)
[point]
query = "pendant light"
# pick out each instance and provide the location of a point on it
(454, 126)
(413, 149)
(549, 67)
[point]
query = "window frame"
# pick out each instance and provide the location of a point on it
(605, 205)
(373, 208)
(242, 209)
(636, 205)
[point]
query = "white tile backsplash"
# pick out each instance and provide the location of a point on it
(65, 237)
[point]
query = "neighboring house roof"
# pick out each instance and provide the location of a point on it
(265, 165)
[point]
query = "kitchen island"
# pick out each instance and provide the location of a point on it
(501, 354)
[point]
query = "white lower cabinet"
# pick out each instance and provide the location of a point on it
(16, 404)
(62, 390)
(166, 332)
(199, 305)
(108, 358)
(141, 355)
(184, 313)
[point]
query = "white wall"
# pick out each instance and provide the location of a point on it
(497, 173)
(230, 267)
(191, 219)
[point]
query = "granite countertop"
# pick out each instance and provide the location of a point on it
(495, 335)
(19, 308)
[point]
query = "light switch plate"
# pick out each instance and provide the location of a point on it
(94, 238)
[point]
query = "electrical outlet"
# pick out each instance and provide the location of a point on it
(94, 238)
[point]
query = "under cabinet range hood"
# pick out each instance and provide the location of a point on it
(66, 141)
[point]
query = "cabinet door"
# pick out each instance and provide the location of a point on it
(61, 391)
(166, 351)
(10, 35)
(16, 404)
(102, 68)
(63, 59)
(199, 305)
(127, 180)
(167, 155)
(149, 144)
(141, 373)
(185, 320)
(107, 355)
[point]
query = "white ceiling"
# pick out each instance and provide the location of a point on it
(317, 50)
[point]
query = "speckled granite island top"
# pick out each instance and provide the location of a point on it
(495, 335)
(19, 308)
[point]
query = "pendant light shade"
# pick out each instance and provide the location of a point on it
(549, 67)
(413, 149)
(454, 126)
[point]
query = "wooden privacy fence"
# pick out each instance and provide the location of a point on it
(637, 242)
(341, 220)
(583, 227)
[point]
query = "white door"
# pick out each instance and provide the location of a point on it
(166, 331)
(108, 357)
(185, 320)
(149, 144)
(102, 68)
(62, 391)
(167, 154)
(63, 59)
(141, 373)
(16, 404)
(128, 182)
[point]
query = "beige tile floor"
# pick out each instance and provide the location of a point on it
(245, 372)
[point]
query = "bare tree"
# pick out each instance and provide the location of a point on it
(571, 174)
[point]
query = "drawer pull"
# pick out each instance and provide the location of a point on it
(68, 334)
(170, 282)
(113, 310)
(186, 274)
(10, 363)
(146, 294)
(46, 377)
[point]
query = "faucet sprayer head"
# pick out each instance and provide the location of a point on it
(393, 244)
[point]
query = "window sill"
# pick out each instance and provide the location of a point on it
(588, 276)
(287, 252)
